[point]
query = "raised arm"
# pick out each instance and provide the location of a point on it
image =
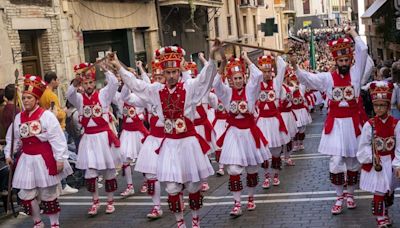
(107, 93)
(73, 96)
(222, 90)
(361, 56)
(368, 70)
(143, 73)
(147, 92)
(202, 83)
(278, 80)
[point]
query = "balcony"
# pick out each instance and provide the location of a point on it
(248, 4)
(289, 7)
(206, 3)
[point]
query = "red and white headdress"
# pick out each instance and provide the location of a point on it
(381, 91)
(156, 68)
(34, 85)
(235, 65)
(343, 47)
(88, 75)
(170, 57)
(267, 62)
(192, 67)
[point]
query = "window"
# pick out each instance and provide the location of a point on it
(306, 6)
(244, 24)
(229, 26)
(216, 27)
(255, 26)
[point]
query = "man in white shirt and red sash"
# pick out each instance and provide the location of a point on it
(37, 132)
(96, 153)
(342, 127)
(244, 146)
(269, 119)
(182, 159)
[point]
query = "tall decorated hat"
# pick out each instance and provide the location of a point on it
(156, 67)
(170, 57)
(192, 67)
(342, 47)
(34, 85)
(267, 62)
(381, 91)
(235, 65)
(85, 75)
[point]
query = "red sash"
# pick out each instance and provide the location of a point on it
(246, 123)
(102, 124)
(33, 146)
(135, 125)
(342, 112)
(190, 131)
(203, 120)
(173, 105)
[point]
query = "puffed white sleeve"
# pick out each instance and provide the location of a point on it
(185, 76)
(145, 77)
(278, 80)
(145, 91)
(368, 70)
(74, 97)
(223, 91)
(200, 85)
(253, 84)
(213, 100)
(364, 153)
(319, 81)
(56, 137)
(107, 93)
(17, 139)
(361, 56)
(396, 160)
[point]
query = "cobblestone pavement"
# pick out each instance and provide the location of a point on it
(303, 199)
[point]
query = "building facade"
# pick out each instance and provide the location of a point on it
(382, 36)
(44, 35)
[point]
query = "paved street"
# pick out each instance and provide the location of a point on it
(303, 199)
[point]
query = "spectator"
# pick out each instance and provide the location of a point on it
(73, 127)
(3, 130)
(50, 101)
(7, 117)
(395, 108)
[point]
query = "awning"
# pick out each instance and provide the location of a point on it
(373, 8)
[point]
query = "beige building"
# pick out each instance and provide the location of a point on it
(57, 34)
(241, 21)
(380, 28)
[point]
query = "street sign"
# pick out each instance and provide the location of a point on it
(269, 27)
(398, 23)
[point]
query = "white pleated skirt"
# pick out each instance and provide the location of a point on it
(269, 126)
(240, 149)
(382, 181)
(290, 122)
(131, 143)
(182, 160)
(303, 117)
(341, 141)
(31, 172)
(95, 153)
(148, 158)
